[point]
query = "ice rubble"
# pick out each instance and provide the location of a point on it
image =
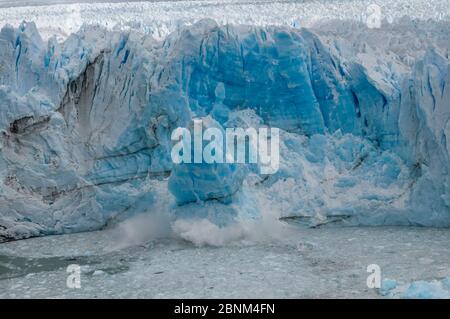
(86, 123)
(428, 290)
(421, 289)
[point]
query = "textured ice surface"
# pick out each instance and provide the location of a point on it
(420, 289)
(297, 263)
(159, 18)
(428, 290)
(194, 182)
(86, 122)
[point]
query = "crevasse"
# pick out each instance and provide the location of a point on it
(86, 123)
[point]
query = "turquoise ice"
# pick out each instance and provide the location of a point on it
(85, 126)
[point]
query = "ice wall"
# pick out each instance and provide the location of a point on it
(85, 126)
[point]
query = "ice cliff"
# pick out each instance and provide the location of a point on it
(86, 123)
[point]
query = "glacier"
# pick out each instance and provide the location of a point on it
(86, 122)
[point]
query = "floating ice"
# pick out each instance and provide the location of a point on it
(428, 290)
(387, 285)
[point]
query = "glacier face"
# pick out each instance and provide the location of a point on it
(86, 124)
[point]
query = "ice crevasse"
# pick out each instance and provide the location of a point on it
(85, 126)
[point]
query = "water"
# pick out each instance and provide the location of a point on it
(307, 263)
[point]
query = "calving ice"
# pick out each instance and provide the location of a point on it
(235, 145)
